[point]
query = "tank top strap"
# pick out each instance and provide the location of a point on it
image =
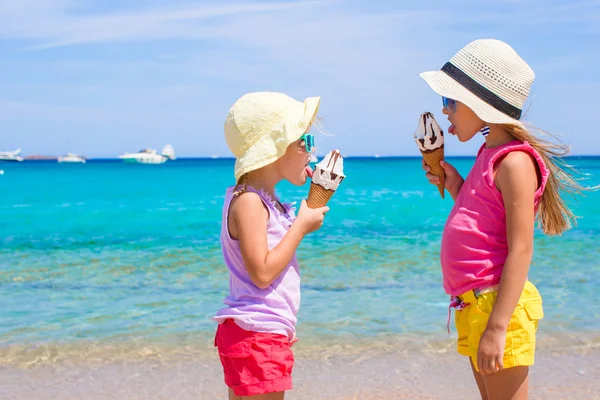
(518, 146)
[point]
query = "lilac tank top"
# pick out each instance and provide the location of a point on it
(273, 309)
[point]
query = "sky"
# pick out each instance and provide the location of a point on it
(104, 77)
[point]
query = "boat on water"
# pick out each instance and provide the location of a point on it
(169, 152)
(11, 156)
(149, 156)
(71, 158)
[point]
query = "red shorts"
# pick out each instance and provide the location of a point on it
(254, 362)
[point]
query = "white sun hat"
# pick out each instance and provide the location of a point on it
(489, 77)
(260, 126)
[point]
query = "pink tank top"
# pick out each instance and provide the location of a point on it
(474, 242)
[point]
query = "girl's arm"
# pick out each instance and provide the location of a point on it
(516, 178)
(250, 218)
(454, 181)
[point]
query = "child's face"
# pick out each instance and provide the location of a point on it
(292, 165)
(465, 123)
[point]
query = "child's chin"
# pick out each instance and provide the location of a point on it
(300, 181)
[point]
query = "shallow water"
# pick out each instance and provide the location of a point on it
(126, 257)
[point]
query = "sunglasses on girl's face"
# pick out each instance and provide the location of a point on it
(309, 142)
(449, 104)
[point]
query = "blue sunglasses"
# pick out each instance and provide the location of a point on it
(309, 142)
(449, 104)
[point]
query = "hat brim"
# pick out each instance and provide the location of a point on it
(265, 151)
(445, 86)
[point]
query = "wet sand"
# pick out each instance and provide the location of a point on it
(338, 372)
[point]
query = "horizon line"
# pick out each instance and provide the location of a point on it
(226, 158)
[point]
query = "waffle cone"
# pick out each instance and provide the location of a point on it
(432, 159)
(318, 196)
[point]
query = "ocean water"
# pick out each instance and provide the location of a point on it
(107, 255)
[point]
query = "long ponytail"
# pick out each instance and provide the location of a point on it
(554, 216)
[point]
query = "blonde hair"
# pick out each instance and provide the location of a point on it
(242, 181)
(553, 216)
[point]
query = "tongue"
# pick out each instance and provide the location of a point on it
(309, 171)
(451, 129)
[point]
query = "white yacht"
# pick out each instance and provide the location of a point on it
(71, 158)
(169, 152)
(149, 156)
(11, 156)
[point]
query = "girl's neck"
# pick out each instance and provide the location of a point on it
(497, 137)
(264, 182)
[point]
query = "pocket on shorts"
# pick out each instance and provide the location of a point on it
(527, 314)
(461, 320)
(283, 358)
(481, 312)
(523, 327)
(534, 309)
(528, 317)
(236, 349)
(282, 351)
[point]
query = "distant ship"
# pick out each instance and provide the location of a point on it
(169, 152)
(149, 156)
(11, 156)
(71, 158)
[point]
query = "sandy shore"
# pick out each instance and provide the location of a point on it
(372, 373)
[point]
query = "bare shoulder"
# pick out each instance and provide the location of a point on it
(517, 168)
(248, 204)
(517, 161)
(245, 211)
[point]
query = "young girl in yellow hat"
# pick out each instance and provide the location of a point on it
(269, 135)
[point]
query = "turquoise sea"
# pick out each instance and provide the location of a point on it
(107, 254)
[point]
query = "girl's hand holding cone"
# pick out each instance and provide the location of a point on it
(452, 180)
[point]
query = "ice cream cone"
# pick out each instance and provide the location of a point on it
(429, 137)
(328, 174)
(432, 159)
(318, 196)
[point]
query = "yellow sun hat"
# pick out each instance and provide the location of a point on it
(260, 126)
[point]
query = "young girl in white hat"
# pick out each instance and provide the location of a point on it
(487, 244)
(269, 135)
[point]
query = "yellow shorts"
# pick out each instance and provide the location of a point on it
(520, 335)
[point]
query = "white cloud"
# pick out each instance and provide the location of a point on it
(54, 24)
